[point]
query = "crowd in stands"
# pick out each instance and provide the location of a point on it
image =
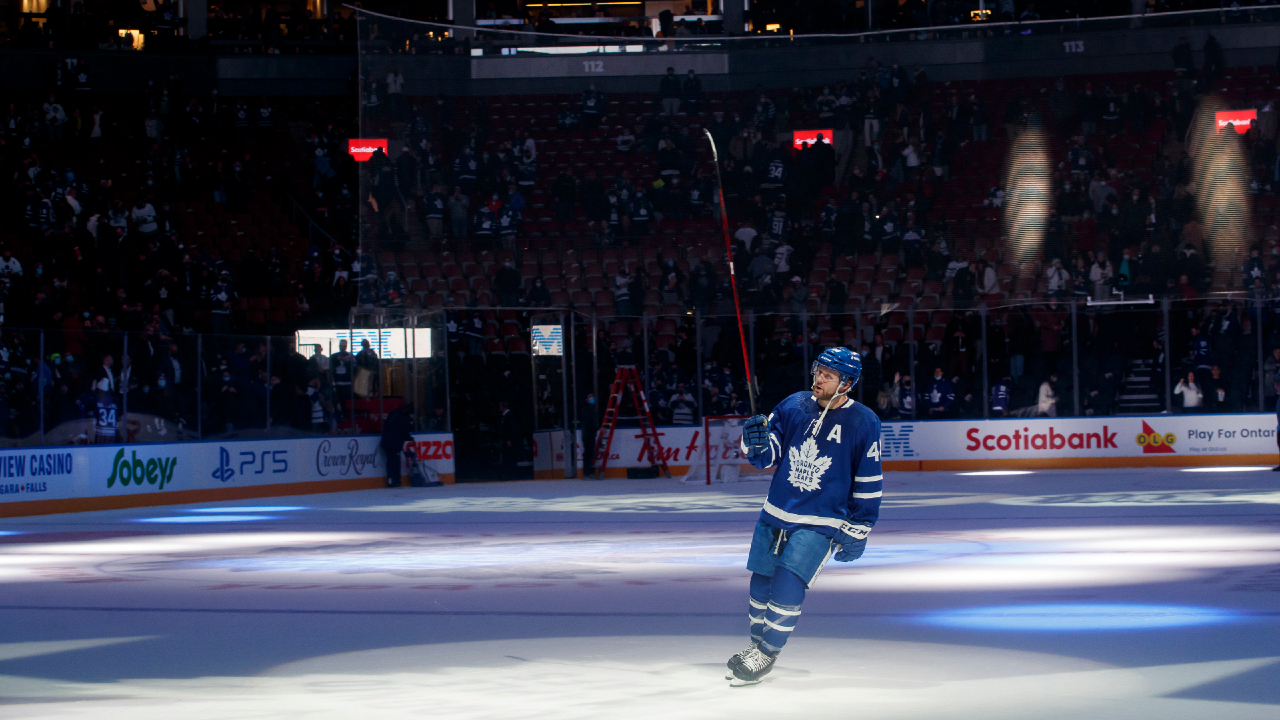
(171, 214)
(891, 233)
(137, 224)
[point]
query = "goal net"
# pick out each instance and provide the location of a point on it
(717, 458)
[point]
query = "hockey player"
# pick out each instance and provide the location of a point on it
(823, 501)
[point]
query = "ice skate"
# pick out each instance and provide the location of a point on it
(737, 658)
(752, 668)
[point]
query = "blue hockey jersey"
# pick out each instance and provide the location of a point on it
(828, 477)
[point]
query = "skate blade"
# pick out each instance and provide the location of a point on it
(735, 682)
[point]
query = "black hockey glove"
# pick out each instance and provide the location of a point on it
(755, 435)
(853, 541)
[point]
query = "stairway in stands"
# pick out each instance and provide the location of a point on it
(1140, 396)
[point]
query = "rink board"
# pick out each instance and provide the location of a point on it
(1013, 444)
(38, 481)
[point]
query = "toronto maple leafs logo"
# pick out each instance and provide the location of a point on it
(807, 466)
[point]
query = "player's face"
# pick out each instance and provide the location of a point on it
(826, 383)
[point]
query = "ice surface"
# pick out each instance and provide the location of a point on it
(1057, 594)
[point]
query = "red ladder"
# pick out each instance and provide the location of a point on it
(625, 379)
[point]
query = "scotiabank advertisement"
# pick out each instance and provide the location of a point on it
(1156, 440)
(1081, 442)
(363, 148)
(800, 138)
(1240, 120)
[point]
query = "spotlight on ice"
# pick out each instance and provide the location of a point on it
(253, 509)
(1228, 469)
(207, 518)
(1071, 617)
(1028, 194)
(996, 472)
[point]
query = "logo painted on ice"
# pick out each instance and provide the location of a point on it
(807, 466)
(1153, 442)
(895, 441)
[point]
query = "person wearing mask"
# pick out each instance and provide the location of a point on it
(941, 394)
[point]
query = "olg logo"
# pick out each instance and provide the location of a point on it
(1154, 442)
(152, 471)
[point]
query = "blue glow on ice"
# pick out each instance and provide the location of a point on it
(252, 509)
(207, 518)
(1070, 617)
(10, 532)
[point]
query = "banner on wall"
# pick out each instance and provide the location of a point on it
(1021, 442)
(149, 472)
(799, 138)
(1239, 120)
(363, 148)
(1159, 439)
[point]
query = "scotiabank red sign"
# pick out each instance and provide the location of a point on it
(1025, 439)
(800, 137)
(1241, 120)
(363, 149)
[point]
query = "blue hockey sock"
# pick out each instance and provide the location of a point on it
(759, 600)
(786, 593)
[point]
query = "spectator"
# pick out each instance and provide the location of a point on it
(988, 283)
(397, 432)
(9, 266)
(1047, 403)
(1192, 397)
(940, 395)
(592, 106)
(1057, 279)
(1100, 275)
(683, 405)
(669, 92)
(506, 283)
(692, 93)
(459, 211)
(1216, 393)
(1001, 392)
(434, 210)
(366, 381)
(1183, 60)
(538, 295)
(625, 141)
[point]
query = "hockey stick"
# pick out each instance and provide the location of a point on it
(733, 278)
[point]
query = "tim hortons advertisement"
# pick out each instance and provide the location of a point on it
(1157, 440)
